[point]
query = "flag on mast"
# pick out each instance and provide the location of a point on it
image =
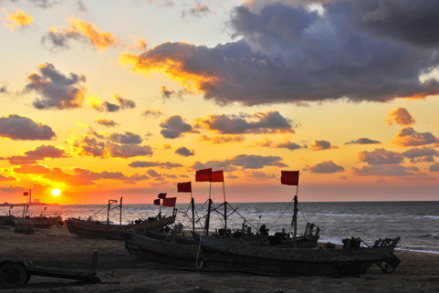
(218, 176)
(184, 187)
(203, 175)
(290, 178)
(162, 195)
(169, 202)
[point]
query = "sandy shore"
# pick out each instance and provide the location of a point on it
(121, 272)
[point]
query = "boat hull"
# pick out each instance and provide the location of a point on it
(92, 230)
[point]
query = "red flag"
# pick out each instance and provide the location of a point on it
(184, 187)
(12, 207)
(162, 195)
(290, 177)
(45, 208)
(169, 202)
(203, 175)
(218, 176)
(157, 202)
(25, 193)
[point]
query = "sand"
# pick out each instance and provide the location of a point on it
(121, 272)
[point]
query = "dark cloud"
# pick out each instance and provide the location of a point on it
(185, 152)
(106, 122)
(292, 54)
(32, 169)
(22, 128)
(424, 154)
(326, 167)
(152, 112)
(259, 123)
(409, 137)
(434, 167)
(128, 150)
(174, 127)
(165, 165)
(197, 10)
(244, 161)
(384, 170)
(364, 140)
(258, 176)
(57, 90)
(13, 189)
(122, 104)
(39, 153)
(3, 90)
(7, 178)
(81, 6)
(125, 138)
(153, 173)
(220, 139)
(380, 157)
(288, 145)
(400, 116)
(321, 145)
(167, 94)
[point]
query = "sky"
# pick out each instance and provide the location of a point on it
(126, 98)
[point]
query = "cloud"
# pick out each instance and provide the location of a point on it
(128, 150)
(140, 43)
(380, 157)
(148, 164)
(122, 103)
(174, 127)
(3, 90)
(384, 170)
(326, 167)
(363, 140)
(7, 178)
(288, 145)
(106, 122)
(220, 139)
(32, 169)
(22, 128)
(424, 154)
(167, 94)
(58, 91)
(286, 54)
(19, 19)
(13, 189)
(258, 123)
(197, 10)
(125, 138)
(258, 176)
(41, 152)
(79, 30)
(434, 167)
(244, 161)
(321, 145)
(400, 116)
(185, 152)
(409, 137)
(152, 112)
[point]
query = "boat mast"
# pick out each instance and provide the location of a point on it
(193, 213)
(121, 210)
(208, 209)
(295, 222)
(110, 201)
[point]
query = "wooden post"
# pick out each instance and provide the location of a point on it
(208, 217)
(295, 222)
(121, 210)
(193, 213)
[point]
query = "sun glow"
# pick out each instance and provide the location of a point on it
(56, 192)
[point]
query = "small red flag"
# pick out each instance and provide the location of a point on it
(203, 175)
(290, 177)
(218, 176)
(169, 202)
(157, 202)
(25, 193)
(184, 187)
(12, 207)
(162, 195)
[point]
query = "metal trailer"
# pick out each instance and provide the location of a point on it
(17, 273)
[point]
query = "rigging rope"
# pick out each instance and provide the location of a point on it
(281, 215)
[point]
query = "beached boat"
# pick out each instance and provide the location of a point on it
(351, 260)
(43, 222)
(100, 230)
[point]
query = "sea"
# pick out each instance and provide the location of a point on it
(416, 222)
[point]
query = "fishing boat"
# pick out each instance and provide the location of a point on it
(351, 260)
(100, 230)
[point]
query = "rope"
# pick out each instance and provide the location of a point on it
(281, 215)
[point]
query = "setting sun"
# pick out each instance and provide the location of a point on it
(56, 192)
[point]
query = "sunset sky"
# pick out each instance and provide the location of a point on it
(110, 98)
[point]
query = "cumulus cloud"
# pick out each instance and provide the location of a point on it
(185, 152)
(125, 138)
(7, 178)
(424, 154)
(380, 157)
(288, 145)
(363, 140)
(19, 19)
(22, 128)
(148, 164)
(122, 104)
(197, 10)
(258, 123)
(152, 112)
(400, 116)
(286, 54)
(321, 145)
(3, 90)
(325, 167)
(244, 161)
(434, 167)
(79, 30)
(384, 170)
(128, 150)
(167, 94)
(220, 139)
(174, 127)
(32, 169)
(409, 137)
(253, 175)
(41, 152)
(106, 122)
(57, 90)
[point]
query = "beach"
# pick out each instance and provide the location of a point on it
(121, 272)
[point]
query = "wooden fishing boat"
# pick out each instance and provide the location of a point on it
(351, 260)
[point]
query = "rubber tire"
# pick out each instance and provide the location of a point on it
(13, 275)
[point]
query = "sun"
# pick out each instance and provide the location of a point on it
(56, 192)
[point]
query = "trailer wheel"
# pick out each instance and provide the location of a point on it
(13, 275)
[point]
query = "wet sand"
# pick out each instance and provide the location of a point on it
(121, 272)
